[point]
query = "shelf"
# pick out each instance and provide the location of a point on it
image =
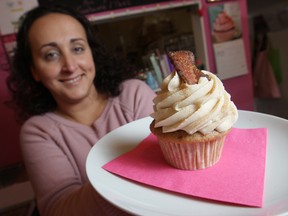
(108, 16)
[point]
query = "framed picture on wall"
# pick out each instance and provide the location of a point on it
(11, 11)
(228, 44)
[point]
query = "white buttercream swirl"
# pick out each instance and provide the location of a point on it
(202, 107)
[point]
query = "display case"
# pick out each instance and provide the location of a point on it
(144, 34)
(139, 32)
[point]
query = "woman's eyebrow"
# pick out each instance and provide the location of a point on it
(53, 44)
(77, 39)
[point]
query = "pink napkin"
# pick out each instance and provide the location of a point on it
(237, 178)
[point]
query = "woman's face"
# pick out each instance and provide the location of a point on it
(62, 58)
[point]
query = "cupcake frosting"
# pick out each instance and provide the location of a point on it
(202, 107)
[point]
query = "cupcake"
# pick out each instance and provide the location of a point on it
(224, 28)
(192, 115)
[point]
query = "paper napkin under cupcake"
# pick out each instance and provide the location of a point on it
(237, 178)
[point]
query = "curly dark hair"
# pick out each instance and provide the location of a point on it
(32, 98)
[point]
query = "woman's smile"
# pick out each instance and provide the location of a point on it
(74, 80)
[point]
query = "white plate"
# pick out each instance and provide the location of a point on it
(139, 199)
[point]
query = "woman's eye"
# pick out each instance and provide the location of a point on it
(50, 56)
(78, 49)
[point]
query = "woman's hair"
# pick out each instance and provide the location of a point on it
(33, 98)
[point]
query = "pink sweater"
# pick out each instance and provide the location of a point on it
(55, 151)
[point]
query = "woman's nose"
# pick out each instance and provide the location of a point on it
(69, 63)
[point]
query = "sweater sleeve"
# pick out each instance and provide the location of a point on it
(139, 97)
(58, 185)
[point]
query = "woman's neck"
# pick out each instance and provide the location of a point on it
(86, 112)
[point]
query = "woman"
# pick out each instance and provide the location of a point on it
(71, 93)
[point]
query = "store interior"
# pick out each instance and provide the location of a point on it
(275, 15)
(162, 32)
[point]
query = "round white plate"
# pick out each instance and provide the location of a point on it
(140, 199)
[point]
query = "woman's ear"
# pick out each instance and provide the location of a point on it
(35, 75)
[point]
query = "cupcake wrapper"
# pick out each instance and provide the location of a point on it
(192, 156)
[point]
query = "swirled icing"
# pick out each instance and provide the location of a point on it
(202, 107)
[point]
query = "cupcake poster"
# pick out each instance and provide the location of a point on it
(11, 11)
(225, 22)
(228, 44)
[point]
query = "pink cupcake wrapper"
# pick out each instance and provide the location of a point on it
(192, 156)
